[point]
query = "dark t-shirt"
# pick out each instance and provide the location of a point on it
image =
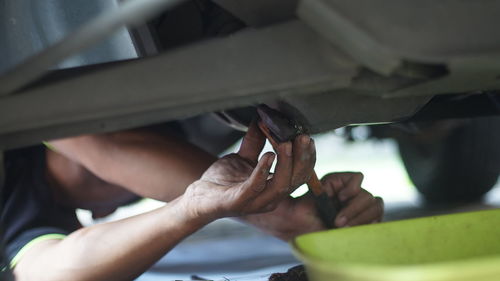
(29, 210)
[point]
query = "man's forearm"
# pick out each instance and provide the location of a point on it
(142, 162)
(120, 250)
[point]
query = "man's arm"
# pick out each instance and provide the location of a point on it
(161, 167)
(119, 250)
(150, 165)
(124, 249)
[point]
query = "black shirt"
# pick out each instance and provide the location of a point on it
(29, 209)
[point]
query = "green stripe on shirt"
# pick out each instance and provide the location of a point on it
(48, 145)
(30, 244)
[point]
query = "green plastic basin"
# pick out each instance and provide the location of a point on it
(453, 247)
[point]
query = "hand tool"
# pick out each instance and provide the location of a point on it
(278, 128)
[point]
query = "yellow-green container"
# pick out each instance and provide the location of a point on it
(455, 247)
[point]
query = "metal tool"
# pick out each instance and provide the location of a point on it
(278, 128)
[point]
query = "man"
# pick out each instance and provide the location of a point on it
(102, 172)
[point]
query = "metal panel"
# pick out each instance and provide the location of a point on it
(425, 31)
(289, 62)
(249, 67)
(326, 111)
(460, 36)
(258, 13)
(30, 26)
(468, 74)
(132, 13)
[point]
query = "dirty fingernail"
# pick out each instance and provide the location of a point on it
(288, 149)
(341, 221)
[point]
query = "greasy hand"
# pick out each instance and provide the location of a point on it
(358, 206)
(238, 184)
(295, 216)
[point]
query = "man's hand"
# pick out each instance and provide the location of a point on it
(295, 216)
(358, 205)
(238, 184)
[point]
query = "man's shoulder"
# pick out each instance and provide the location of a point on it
(29, 210)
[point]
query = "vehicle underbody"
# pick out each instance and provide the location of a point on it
(328, 63)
